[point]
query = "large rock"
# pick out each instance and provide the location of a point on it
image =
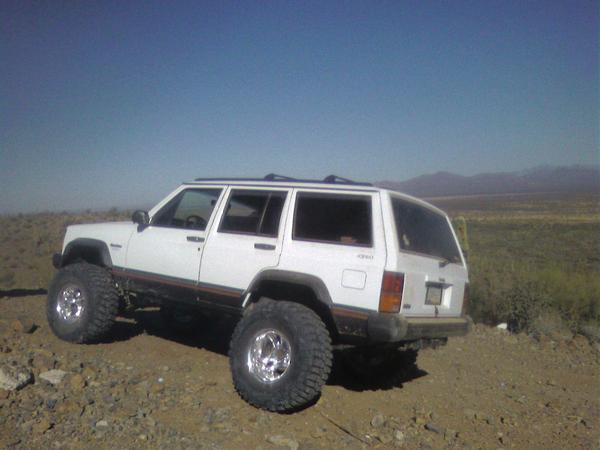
(23, 325)
(13, 378)
(54, 376)
(77, 382)
(283, 441)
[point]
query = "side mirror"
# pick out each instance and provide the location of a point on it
(141, 218)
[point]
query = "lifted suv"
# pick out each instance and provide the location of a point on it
(306, 265)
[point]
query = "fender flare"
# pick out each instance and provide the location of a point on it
(77, 247)
(311, 281)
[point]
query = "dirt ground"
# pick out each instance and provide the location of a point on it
(150, 388)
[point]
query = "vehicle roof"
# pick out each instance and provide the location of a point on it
(337, 184)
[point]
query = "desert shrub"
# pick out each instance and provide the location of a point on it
(549, 323)
(534, 299)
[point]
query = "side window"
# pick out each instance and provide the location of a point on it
(337, 219)
(191, 209)
(253, 212)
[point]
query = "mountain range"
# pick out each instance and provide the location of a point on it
(576, 178)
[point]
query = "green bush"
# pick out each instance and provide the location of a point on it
(521, 294)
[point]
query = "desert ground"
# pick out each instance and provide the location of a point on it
(150, 387)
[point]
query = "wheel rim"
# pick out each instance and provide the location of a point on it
(269, 356)
(70, 303)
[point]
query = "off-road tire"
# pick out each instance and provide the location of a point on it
(310, 362)
(379, 368)
(101, 303)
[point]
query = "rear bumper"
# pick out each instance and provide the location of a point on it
(396, 328)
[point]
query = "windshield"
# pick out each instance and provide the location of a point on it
(422, 230)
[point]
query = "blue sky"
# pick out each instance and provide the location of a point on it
(115, 103)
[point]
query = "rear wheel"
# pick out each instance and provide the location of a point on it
(280, 356)
(82, 303)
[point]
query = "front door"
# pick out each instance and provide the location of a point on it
(169, 250)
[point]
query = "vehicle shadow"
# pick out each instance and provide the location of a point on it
(20, 292)
(213, 333)
(394, 376)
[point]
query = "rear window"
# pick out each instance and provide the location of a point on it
(336, 219)
(421, 230)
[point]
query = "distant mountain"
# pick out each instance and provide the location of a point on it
(538, 179)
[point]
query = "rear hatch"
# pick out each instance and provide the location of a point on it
(435, 274)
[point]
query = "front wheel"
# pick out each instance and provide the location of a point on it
(82, 303)
(280, 355)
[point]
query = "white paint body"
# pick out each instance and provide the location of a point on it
(352, 274)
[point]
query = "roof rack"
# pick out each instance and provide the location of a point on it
(330, 179)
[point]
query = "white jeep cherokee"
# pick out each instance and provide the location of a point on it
(306, 265)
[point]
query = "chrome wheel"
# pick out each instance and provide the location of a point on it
(70, 303)
(269, 356)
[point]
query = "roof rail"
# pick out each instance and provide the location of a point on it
(335, 179)
(332, 179)
(275, 177)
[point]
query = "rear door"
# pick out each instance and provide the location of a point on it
(247, 238)
(337, 237)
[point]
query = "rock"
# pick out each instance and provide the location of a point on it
(23, 325)
(282, 441)
(53, 376)
(450, 435)
(470, 414)
(399, 436)
(88, 373)
(385, 438)
(157, 388)
(13, 378)
(430, 426)
(378, 421)
(502, 326)
(69, 408)
(43, 360)
(42, 426)
(102, 424)
(77, 382)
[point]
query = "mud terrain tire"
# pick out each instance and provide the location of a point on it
(82, 303)
(301, 346)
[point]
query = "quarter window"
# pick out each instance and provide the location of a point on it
(191, 209)
(253, 212)
(337, 219)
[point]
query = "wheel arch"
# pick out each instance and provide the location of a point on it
(93, 251)
(302, 288)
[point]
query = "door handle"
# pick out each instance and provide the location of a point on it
(264, 246)
(195, 239)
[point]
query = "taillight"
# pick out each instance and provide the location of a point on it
(391, 292)
(465, 303)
